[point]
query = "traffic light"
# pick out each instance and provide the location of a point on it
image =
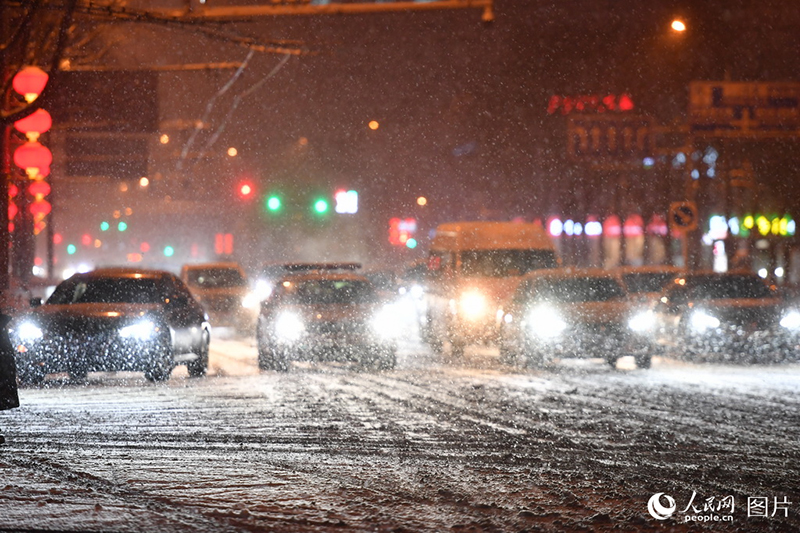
(246, 190)
(273, 203)
(320, 206)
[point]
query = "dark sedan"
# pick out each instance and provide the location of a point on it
(113, 319)
(728, 316)
(326, 313)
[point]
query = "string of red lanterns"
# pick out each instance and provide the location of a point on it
(33, 157)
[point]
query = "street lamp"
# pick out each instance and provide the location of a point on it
(678, 25)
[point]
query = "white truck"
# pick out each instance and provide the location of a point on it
(473, 269)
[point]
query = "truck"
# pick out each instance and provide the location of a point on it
(473, 269)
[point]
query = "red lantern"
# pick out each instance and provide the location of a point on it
(40, 208)
(30, 82)
(12, 210)
(33, 155)
(12, 190)
(37, 122)
(39, 188)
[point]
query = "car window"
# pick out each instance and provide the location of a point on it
(501, 263)
(329, 292)
(107, 290)
(576, 290)
(216, 277)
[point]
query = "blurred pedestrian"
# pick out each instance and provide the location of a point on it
(8, 371)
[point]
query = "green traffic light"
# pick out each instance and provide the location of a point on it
(104, 226)
(71, 249)
(273, 203)
(122, 226)
(169, 251)
(320, 206)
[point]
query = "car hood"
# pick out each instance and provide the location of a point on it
(496, 290)
(217, 292)
(743, 311)
(609, 312)
(332, 313)
(92, 312)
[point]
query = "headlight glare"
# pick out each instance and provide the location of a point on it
(473, 305)
(642, 322)
(701, 321)
(545, 322)
(791, 320)
(289, 327)
(250, 301)
(140, 331)
(28, 331)
(386, 322)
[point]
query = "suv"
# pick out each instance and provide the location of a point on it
(326, 312)
(222, 289)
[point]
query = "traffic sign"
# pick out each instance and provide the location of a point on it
(683, 216)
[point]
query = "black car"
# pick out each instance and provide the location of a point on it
(326, 313)
(728, 316)
(113, 319)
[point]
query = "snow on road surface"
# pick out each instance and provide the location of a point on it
(468, 445)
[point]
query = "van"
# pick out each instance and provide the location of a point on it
(223, 291)
(473, 269)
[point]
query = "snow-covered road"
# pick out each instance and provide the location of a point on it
(469, 445)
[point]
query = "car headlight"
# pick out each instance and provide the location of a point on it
(250, 301)
(263, 289)
(791, 320)
(642, 322)
(386, 322)
(289, 327)
(702, 321)
(473, 305)
(545, 322)
(140, 331)
(28, 331)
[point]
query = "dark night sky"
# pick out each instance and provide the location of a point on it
(462, 104)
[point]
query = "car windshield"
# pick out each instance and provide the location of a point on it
(107, 290)
(214, 278)
(647, 281)
(729, 287)
(501, 263)
(577, 290)
(330, 292)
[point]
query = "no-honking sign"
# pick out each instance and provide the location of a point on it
(683, 215)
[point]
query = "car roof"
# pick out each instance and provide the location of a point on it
(699, 276)
(220, 264)
(566, 273)
(323, 275)
(649, 269)
(126, 272)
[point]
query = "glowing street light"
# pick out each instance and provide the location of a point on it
(678, 25)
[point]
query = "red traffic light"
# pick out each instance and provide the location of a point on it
(246, 190)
